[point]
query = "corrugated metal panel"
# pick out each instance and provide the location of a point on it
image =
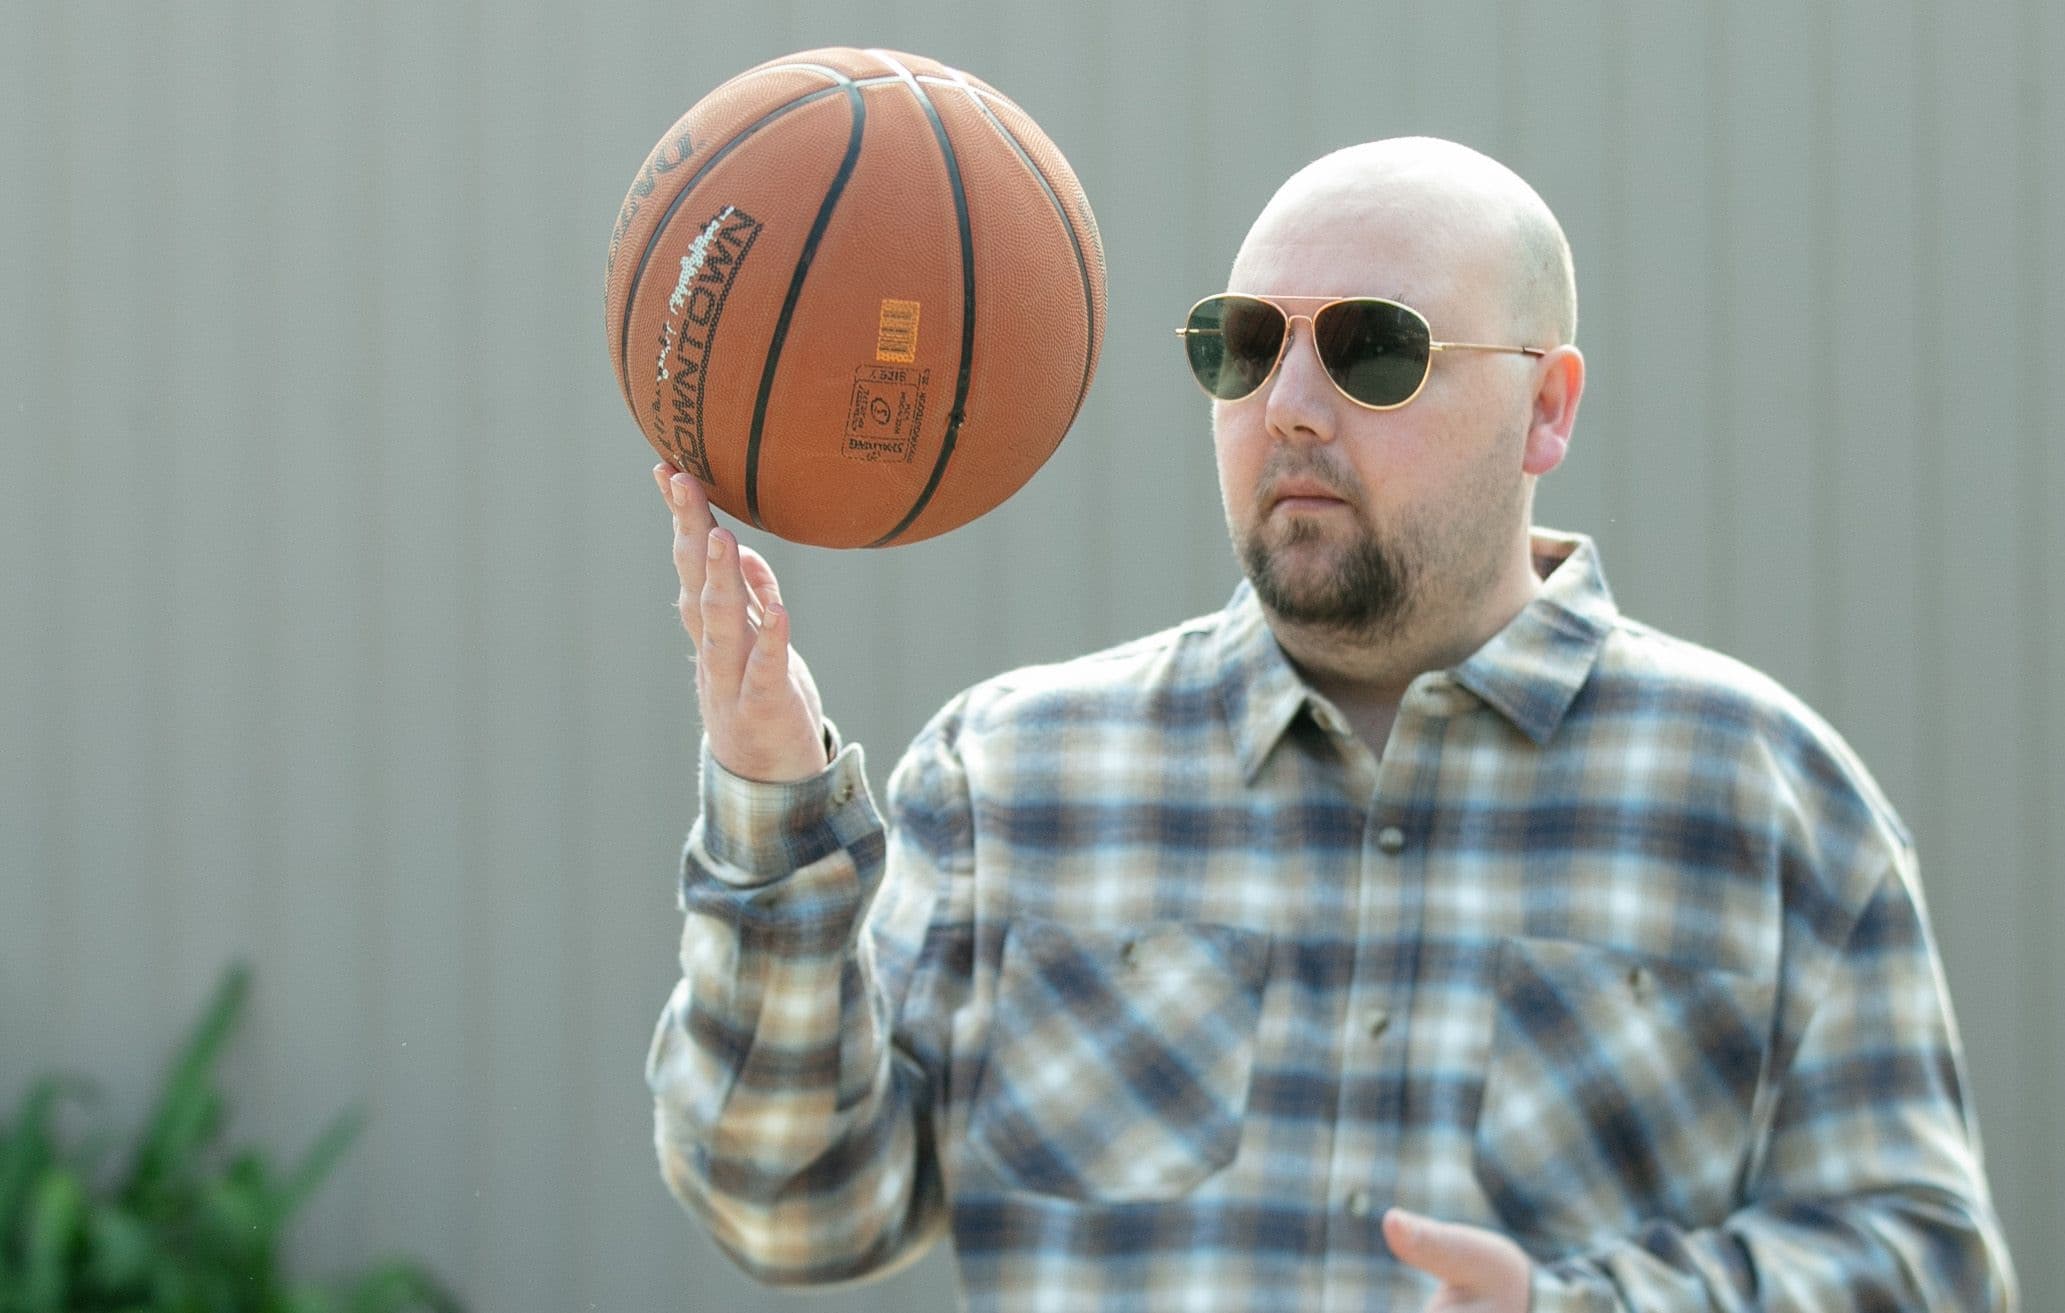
(337, 605)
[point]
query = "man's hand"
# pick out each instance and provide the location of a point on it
(760, 706)
(1481, 1271)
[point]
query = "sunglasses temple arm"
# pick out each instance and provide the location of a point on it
(1483, 346)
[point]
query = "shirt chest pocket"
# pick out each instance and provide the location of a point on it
(1119, 1062)
(1619, 1089)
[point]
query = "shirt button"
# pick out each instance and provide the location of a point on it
(1376, 1021)
(1391, 839)
(1359, 1203)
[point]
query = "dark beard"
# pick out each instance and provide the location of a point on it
(1371, 591)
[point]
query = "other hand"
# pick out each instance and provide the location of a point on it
(1481, 1271)
(760, 706)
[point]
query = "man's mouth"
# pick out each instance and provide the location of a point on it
(1304, 495)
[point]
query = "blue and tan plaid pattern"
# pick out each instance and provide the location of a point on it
(1158, 987)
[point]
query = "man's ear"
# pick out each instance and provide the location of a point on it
(1559, 382)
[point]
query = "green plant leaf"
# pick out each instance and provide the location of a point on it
(187, 1229)
(249, 1175)
(57, 1213)
(233, 1221)
(400, 1287)
(29, 1146)
(320, 1158)
(308, 1299)
(172, 1289)
(120, 1251)
(189, 1112)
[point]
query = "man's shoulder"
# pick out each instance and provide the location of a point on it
(1145, 692)
(1639, 659)
(1733, 709)
(1180, 660)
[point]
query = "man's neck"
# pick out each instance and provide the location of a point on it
(1366, 675)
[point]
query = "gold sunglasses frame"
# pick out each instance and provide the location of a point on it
(1323, 302)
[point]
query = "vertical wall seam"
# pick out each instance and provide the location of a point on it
(1824, 634)
(1613, 161)
(2040, 907)
(1926, 569)
(1726, 625)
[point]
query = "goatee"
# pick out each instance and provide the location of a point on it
(1370, 589)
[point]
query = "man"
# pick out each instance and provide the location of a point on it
(1417, 932)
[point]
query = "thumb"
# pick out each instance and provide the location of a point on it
(1462, 1256)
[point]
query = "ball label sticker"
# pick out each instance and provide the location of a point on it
(896, 333)
(887, 412)
(706, 275)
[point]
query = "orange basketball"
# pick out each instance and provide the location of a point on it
(859, 294)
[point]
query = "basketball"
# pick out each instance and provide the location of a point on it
(857, 293)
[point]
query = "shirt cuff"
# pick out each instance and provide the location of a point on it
(755, 832)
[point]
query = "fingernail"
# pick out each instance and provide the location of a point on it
(716, 544)
(679, 488)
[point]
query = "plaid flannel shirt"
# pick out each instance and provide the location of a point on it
(1158, 987)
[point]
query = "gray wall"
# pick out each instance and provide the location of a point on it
(334, 622)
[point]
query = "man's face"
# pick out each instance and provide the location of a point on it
(1356, 520)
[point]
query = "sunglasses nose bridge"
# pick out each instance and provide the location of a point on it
(1295, 406)
(1284, 338)
(1290, 338)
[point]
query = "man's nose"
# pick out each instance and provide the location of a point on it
(1301, 396)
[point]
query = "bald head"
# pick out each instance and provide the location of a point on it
(1463, 206)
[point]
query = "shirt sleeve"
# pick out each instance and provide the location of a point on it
(1870, 1194)
(793, 1105)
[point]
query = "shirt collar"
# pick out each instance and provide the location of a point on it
(1259, 690)
(1530, 671)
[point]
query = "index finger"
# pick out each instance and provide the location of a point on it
(689, 502)
(686, 498)
(693, 522)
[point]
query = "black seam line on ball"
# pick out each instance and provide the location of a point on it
(660, 229)
(1068, 225)
(781, 323)
(955, 415)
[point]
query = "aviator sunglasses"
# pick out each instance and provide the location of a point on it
(1377, 352)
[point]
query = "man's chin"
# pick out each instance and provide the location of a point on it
(1309, 549)
(1321, 614)
(1306, 596)
(1308, 584)
(1306, 570)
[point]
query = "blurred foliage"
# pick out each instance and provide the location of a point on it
(186, 1224)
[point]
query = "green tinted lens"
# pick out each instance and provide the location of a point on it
(1232, 343)
(1375, 351)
